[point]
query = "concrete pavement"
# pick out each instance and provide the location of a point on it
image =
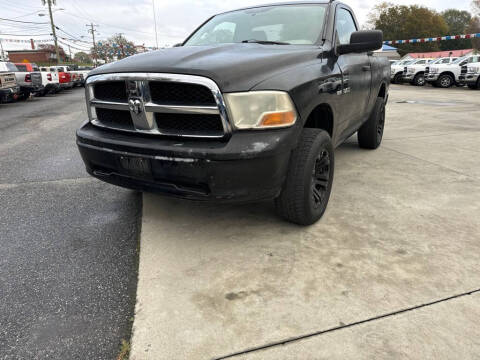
(401, 230)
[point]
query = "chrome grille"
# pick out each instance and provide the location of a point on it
(180, 93)
(158, 104)
(427, 70)
(464, 69)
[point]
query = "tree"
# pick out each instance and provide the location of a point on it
(116, 46)
(476, 7)
(51, 48)
(474, 28)
(400, 22)
(458, 22)
(83, 58)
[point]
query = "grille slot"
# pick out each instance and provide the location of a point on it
(111, 91)
(173, 93)
(189, 123)
(464, 69)
(115, 118)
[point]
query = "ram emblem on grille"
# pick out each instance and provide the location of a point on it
(135, 105)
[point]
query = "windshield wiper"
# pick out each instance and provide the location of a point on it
(264, 42)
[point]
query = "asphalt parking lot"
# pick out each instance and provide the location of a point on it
(391, 271)
(68, 243)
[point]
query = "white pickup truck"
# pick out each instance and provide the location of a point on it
(414, 72)
(396, 71)
(49, 80)
(9, 90)
(447, 75)
(470, 73)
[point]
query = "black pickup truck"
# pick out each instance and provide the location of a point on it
(249, 107)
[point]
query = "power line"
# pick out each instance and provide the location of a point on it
(23, 22)
(1, 34)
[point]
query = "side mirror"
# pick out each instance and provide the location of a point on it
(362, 41)
(177, 45)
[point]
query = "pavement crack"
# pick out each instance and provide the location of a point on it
(344, 326)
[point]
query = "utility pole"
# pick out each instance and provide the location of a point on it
(92, 31)
(155, 21)
(49, 2)
(3, 53)
(70, 52)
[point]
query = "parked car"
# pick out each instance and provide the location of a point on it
(64, 77)
(50, 81)
(447, 75)
(9, 90)
(396, 71)
(83, 71)
(29, 82)
(414, 72)
(250, 107)
(442, 61)
(470, 73)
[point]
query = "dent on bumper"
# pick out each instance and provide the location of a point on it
(241, 169)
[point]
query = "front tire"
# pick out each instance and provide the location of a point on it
(397, 79)
(419, 80)
(371, 133)
(445, 81)
(306, 191)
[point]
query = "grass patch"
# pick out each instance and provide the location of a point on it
(124, 350)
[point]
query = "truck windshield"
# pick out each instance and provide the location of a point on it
(459, 60)
(286, 24)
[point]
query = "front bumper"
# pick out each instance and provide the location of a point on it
(470, 79)
(432, 77)
(250, 166)
(66, 85)
(408, 77)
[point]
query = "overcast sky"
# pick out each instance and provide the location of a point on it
(175, 19)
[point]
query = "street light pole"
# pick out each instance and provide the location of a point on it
(49, 2)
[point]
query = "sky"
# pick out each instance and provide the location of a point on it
(134, 18)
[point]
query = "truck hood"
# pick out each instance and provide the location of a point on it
(234, 67)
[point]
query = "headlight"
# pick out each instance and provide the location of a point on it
(433, 70)
(474, 69)
(260, 109)
(411, 70)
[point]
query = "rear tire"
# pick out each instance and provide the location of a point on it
(371, 133)
(306, 191)
(397, 79)
(445, 81)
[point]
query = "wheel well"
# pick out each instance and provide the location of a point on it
(448, 73)
(321, 118)
(383, 91)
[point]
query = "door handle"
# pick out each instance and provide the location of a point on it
(366, 68)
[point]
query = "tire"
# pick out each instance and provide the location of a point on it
(473, 87)
(305, 193)
(445, 81)
(371, 133)
(419, 80)
(397, 79)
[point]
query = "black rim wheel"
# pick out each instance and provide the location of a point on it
(380, 125)
(320, 179)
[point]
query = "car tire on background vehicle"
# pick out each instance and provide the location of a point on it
(445, 81)
(397, 79)
(305, 193)
(371, 133)
(419, 80)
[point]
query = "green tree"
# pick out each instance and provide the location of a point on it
(83, 58)
(458, 22)
(400, 22)
(116, 46)
(474, 28)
